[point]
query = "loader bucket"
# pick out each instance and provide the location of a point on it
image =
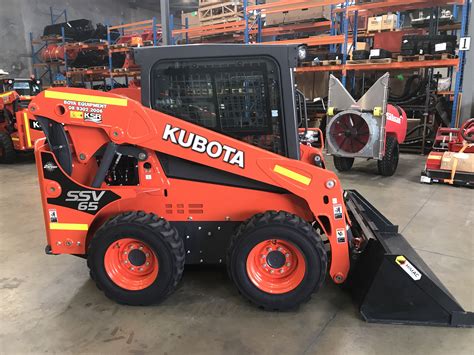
(390, 281)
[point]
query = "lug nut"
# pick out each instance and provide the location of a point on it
(288, 264)
(147, 263)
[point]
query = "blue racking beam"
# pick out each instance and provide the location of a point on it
(462, 54)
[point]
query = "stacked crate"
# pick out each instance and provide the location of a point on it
(212, 12)
(297, 16)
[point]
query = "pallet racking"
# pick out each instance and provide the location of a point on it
(105, 75)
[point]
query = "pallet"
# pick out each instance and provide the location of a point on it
(384, 30)
(125, 70)
(221, 21)
(370, 61)
(89, 69)
(331, 62)
(220, 12)
(321, 63)
(51, 38)
(205, 3)
(423, 57)
(98, 68)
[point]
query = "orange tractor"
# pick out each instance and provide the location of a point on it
(18, 129)
(208, 169)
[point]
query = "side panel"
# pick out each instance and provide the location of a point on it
(206, 242)
(396, 122)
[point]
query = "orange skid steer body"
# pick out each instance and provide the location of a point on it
(140, 192)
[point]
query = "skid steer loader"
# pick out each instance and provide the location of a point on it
(208, 169)
(18, 129)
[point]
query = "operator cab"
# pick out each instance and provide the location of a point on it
(24, 87)
(245, 92)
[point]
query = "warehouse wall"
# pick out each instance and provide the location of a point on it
(20, 17)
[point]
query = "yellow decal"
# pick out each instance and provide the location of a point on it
(76, 114)
(27, 129)
(16, 139)
(435, 157)
(400, 259)
(69, 226)
(87, 98)
(292, 175)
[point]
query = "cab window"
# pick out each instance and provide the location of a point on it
(239, 97)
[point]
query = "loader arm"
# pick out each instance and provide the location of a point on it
(112, 121)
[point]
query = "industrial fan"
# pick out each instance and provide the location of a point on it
(368, 128)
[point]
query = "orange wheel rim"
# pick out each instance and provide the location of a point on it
(276, 266)
(131, 264)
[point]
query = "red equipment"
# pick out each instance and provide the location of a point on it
(213, 150)
(56, 52)
(369, 128)
(18, 128)
(452, 159)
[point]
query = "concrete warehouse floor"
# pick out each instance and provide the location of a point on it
(49, 304)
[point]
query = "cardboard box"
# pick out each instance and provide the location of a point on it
(465, 161)
(193, 19)
(303, 15)
(362, 46)
(389, 22)
(374, 24)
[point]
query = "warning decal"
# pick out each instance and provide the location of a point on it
(337, 211)
(341, 235)
(53, 216)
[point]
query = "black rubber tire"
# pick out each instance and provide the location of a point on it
(388, 165)
(343, 163)
(159, 235)
(286, 226)
(7, 151)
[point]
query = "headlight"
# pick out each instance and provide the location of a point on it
(301, 52)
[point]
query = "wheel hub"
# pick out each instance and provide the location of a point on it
(275, 266)
(131, 264)
(137, 257)
(276, 259)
